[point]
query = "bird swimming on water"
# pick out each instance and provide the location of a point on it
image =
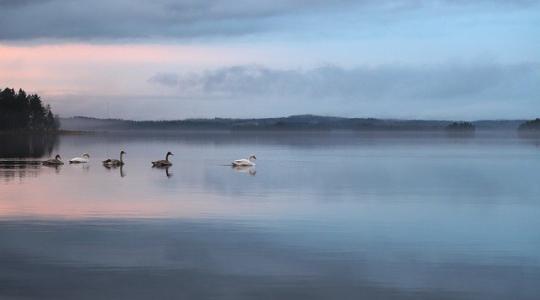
(54, 161)
(115, 162)
(245, 162)
(80, 160)
(163, 163)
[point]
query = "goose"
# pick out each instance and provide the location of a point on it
(163, 163)
(245, 162)
(54, 161)
(115, 162)
(80, 160)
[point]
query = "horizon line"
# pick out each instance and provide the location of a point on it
(297, 115)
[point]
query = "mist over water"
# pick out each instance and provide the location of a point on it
(321, 216)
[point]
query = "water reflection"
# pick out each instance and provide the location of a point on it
(532, 137)
(27, 146)
(115, 259)
(330, 217)
(56, 168)
(250, 170)
(456, 134)
(12, 169)
(120, 169)
(82, 166)
(168, 174)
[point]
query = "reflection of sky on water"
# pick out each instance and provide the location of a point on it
(324, 218)
(129, 259)
(289, 179)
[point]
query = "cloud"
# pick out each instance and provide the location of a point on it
(119, 19)
(167, 79)
(387, 82)
(452, 90)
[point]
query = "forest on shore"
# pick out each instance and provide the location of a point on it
(291, 123)
(20, 111)
(532, 125)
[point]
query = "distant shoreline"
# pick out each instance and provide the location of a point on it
(300, 123)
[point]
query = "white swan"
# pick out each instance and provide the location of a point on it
(245, 162)
(80, 160)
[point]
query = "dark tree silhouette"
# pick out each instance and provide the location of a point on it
(533, 125)
(461, 127)
(20, 111)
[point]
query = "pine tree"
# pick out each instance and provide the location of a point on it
(20, 111)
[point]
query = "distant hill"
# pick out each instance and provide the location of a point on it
(291, 123)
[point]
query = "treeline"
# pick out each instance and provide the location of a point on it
(20, 111)
(461, 127)
(533, 125)
(291, 123)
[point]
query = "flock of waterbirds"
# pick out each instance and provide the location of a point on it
(111, 162)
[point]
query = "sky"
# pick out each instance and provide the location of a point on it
(175, 59)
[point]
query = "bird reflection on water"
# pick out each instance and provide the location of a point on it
(245, 169)
(114, 167)
(56, 168)
(165, 168)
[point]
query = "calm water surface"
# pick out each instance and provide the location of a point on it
(322, 216)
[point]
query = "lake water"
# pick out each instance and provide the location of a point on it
(322, 216)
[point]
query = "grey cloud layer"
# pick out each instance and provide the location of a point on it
(436, 82)
(446, 91)
(111, 19)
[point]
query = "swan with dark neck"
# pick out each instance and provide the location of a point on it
(163, 163)
(54, 161)
(115, 162)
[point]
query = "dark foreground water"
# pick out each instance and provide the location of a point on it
(322, 216)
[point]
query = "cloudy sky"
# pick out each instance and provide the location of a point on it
(170, 59)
